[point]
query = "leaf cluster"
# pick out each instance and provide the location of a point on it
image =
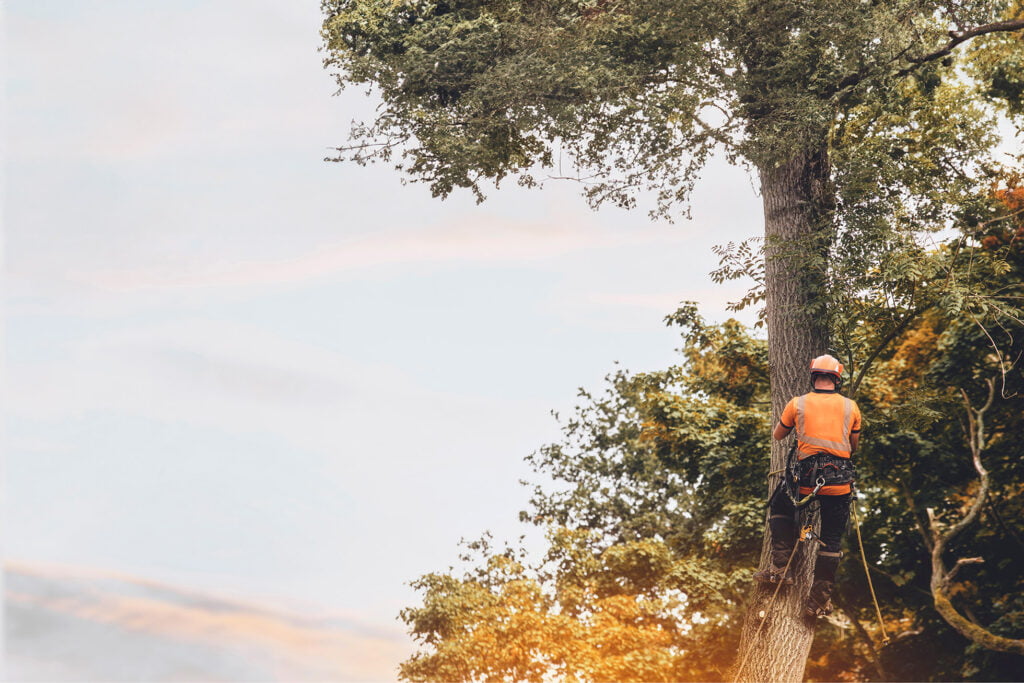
(654, 520)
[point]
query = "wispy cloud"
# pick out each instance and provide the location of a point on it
(238, 378)
(220, 633)
(498, 241)
(714, 301)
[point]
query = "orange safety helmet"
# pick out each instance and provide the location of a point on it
(827, 365)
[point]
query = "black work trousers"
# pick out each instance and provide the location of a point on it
(835, 515)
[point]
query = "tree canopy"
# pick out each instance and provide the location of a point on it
(626, 94)
(872, 128)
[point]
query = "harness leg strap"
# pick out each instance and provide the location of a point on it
(826, 565)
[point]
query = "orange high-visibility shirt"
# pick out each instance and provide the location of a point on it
(823, 422)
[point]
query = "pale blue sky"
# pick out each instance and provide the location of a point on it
(234, 366)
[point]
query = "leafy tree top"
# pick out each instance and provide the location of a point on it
(624, 93)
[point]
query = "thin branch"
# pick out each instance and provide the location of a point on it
(994, 509)
(929, 542)
(981, 226)
(716, 133)
(960, 563)
(881, 346)
(958, 37)
(864, 636)
(999, 356)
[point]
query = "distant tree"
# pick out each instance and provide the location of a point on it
(610, 618)
(833, 103)
(653, 527)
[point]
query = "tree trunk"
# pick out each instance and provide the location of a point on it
(797, 211)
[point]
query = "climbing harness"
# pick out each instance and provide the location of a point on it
(829, 469)
(815, 471)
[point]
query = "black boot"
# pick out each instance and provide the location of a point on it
(783, 539)
(819, 601)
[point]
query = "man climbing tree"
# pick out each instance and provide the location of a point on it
(636, 94)
(827, 431)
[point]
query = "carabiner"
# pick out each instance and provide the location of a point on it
(819, 482)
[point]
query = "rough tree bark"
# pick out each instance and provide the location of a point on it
(797, 214)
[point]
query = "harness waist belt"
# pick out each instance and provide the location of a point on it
(832, 469)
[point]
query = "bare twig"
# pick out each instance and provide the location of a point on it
(959, 563)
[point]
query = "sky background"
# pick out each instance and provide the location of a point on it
(234, 367)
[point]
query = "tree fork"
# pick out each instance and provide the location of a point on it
(798, 203)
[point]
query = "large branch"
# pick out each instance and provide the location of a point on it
(956, 38)
(941, 578)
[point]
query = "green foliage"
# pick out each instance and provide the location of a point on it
(654, 524)
(998, 63)
(913, 256)
(619, 95)
(655, 512)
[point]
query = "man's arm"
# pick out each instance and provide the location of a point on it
(781, 431)
(855, 429)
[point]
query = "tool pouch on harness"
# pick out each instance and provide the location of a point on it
(831, 470)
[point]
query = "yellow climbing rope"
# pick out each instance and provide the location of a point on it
(867, 572)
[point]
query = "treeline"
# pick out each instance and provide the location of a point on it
(657, 510)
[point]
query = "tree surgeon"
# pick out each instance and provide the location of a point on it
(827, 432)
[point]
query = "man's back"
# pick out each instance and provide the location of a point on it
(824, 421)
